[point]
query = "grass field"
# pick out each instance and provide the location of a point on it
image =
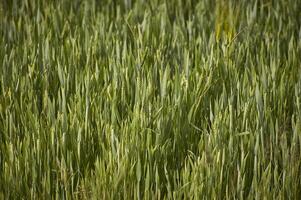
(150, 99)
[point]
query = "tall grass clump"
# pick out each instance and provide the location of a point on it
(150, 99)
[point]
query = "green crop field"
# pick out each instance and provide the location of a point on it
(150, 99)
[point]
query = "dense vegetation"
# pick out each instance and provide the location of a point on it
(150, 99)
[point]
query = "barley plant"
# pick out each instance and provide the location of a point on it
(150, 99)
